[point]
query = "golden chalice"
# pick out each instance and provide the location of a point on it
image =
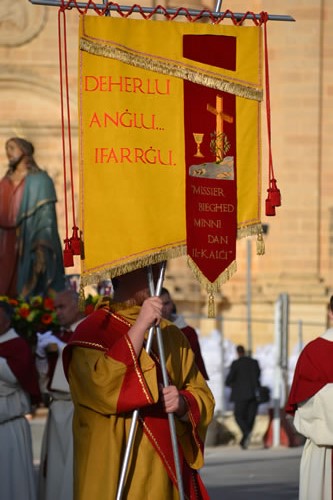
(198, 140)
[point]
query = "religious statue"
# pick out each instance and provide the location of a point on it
(30, 251)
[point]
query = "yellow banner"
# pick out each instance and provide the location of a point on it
(132, 147)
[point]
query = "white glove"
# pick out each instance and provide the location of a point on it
(43, 340)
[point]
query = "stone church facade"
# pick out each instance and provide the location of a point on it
(299, 240)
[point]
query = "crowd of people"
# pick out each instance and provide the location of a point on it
(109, 376)
(95, 372)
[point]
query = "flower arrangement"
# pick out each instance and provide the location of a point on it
(36, 314)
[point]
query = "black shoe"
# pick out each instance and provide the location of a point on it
(245, 441)
(242, 443)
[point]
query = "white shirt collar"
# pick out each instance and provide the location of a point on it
(9, 335)
(328, 335)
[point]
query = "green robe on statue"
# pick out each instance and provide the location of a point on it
(30, 250)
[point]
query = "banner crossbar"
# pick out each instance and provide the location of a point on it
(108, 7)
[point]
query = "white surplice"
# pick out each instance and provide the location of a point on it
(56, 465)
(16, 459)
(314, 420)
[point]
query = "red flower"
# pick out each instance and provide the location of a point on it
(46, 319)
(48, 304)
(24, 312)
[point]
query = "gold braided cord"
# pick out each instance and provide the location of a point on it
(173, 68)
(91, 278)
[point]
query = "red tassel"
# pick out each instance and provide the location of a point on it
(275, 195)
(270, 208)
(75, 242)
(68, 254)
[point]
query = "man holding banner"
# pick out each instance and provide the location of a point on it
(180, 118)
(111, 374)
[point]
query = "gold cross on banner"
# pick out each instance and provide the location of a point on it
(220, 119)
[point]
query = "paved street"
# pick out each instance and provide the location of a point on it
(231, 473)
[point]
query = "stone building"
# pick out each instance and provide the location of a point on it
(299, 242)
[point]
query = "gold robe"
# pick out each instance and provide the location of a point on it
(107, 383)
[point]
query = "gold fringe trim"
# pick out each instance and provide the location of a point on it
(260, 244)
(91, 278)
(82, 298)
(211, 305)
(212, 288)
(175, 69)
(253, 230)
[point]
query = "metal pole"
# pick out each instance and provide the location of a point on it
(300, 335)
(222, 369)
(277, 374)
(166, 383)
(171, 416)
(218, 5)
(149, 10)
(249, 296)
(135, 415)
(284, 347)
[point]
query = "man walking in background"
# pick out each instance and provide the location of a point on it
(244, 379)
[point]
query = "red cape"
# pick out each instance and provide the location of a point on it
(21, 362)
(107, 332)
(192, 337)
(313, 371)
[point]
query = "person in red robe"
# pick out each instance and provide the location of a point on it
(19, 390)
(110, 375)
(169, 312)
(56, 463)
(30, 250)
(310, 401)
